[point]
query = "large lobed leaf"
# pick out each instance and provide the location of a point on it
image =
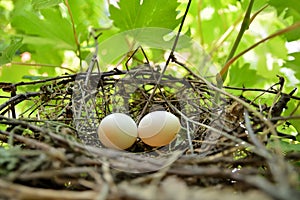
(289, 8)
(133, 14)
(7, 53)
(41, 4)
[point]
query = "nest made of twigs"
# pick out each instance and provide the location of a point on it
(53, 144)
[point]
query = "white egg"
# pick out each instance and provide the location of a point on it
(158, 128)
(118, 131)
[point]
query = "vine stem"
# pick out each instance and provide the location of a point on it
(285, 30)
(244, 27)
(74, 33)
(199, 8)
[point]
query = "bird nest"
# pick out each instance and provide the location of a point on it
(229, 143)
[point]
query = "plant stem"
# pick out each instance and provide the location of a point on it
(244, 27)
(74, 33)
(199, 8)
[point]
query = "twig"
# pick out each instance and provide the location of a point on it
(18, 99)
(252, 136)
(189, 137)
(17, 191)
(257, 90)
(51, 151)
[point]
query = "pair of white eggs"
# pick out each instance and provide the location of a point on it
(119, 131)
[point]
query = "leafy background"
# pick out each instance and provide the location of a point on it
(56, 34)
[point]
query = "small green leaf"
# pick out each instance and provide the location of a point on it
(243, 76)
(120, 44)
(87, 14)
(294, 64)
(48, 24)
(292, 108)
(41, 4)
(289, 8)
(285, 146)
(132, 14)
(7, 54)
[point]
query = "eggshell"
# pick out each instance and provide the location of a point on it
(118, 131)
(158, 128)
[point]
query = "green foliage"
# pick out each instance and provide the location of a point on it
(41, 4)
(88, 14)
(294, 63)
(288, 8)
(46, 27)
(143, 24)
(286, 147)
(7, 53)
(294, 109)
(132, 14)
(242, 75)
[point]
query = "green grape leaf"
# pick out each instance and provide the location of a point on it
(294, 64)
(243, 76)
(41, 4)
(48, 26)
(288, 8)
(132, 14)
(118, 45)
(87, 14)
(7, 54)
(285, 146)
(292, 108)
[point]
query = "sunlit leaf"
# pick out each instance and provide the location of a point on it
(243, 76)
(285, 146)
(41, 4)
(293, 108)
(294, 63)
(87, 14)
(47, 24)
(132, 14)
(7, 54)
(290, 8)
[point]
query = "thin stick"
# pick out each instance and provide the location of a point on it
(189, 137)
(24, 192)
